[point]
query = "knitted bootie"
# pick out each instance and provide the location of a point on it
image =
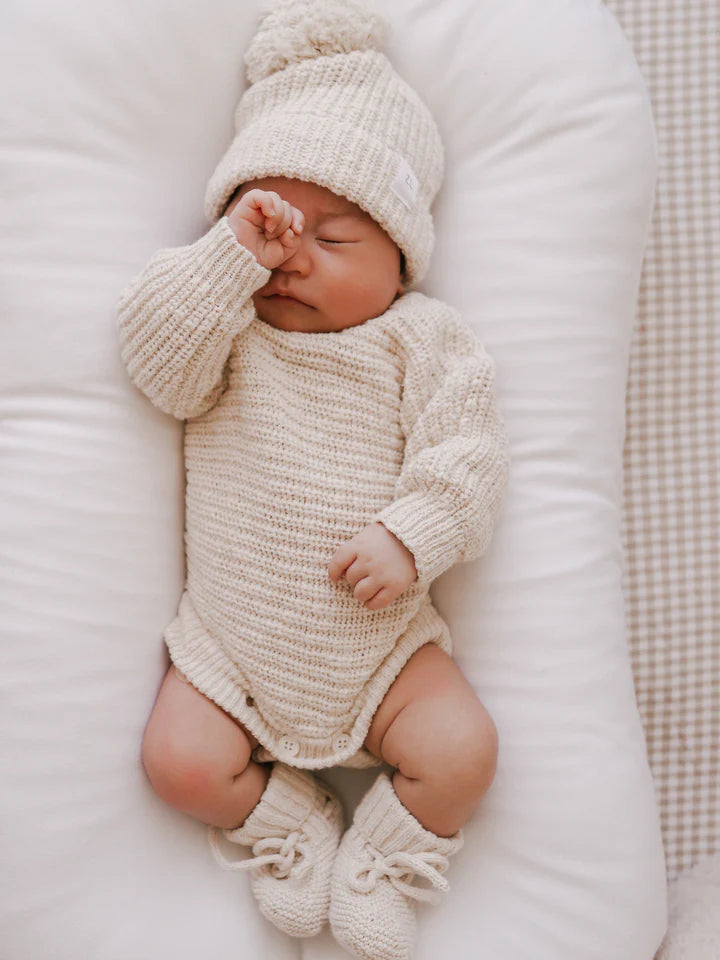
(372, 909)
(294, 831)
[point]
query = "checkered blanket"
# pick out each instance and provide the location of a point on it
(672, 453)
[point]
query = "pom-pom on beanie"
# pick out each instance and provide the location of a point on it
(325, 105)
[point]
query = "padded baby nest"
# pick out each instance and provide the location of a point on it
(117, 118)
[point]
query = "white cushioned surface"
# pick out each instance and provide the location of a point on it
(694, 931)
(116, 118)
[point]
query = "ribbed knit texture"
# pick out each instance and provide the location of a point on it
(326, 106)
(378, 872)
(311, 437)
(178, 318)
(294, 831)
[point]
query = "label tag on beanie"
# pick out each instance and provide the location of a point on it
(405, 184)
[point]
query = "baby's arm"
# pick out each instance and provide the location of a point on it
(453, 475)
(455, 465)
(178, 317)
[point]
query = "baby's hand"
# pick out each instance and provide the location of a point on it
(267, 226)
(376, 563)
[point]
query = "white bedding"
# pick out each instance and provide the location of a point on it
(116, 118)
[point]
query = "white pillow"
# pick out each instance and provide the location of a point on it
(116, 118)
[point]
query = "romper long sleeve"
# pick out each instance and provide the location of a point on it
(294, 442)
(455, 464)
(178, 317)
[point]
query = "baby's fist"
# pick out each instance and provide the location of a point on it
(376, 564)
(266, 225)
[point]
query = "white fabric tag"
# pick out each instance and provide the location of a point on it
(405, 184)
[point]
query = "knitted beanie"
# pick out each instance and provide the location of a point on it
(324, 105)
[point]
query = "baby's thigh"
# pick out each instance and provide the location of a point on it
(189, 742)
(431, 718)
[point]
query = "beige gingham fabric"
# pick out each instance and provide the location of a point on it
(672, 452)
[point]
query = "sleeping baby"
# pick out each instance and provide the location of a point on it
(342, 449)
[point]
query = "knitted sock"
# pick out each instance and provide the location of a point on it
(372, 908)
(294, 831)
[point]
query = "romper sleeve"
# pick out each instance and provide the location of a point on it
(177, 319)
(455, 464)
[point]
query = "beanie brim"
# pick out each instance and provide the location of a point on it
(344, 159)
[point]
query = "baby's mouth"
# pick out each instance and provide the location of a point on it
(285, 298)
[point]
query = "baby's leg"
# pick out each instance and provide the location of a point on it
(433, 728)
(198, 758)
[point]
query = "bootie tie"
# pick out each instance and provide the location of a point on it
(372, 896)
(294, 831)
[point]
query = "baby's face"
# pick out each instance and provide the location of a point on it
(345, 270)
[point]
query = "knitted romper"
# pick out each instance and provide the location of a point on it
(295, 442)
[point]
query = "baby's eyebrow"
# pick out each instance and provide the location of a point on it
(329, 215)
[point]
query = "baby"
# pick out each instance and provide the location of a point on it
(343, 449)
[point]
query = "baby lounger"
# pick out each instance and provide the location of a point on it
(116, 119)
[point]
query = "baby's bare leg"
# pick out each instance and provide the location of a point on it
(433, 728)
(198, 758)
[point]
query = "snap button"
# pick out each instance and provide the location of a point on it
(249, 701)
(289, 746)
(341, 741)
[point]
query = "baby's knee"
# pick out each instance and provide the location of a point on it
(171, 775)
(445, 740)
(475, 750)
(180, 775)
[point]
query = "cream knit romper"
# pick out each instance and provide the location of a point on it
(294, 442)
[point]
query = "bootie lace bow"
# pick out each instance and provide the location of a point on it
(400, 868)
(285, 856)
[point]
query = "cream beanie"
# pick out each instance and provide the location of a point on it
(324, 105)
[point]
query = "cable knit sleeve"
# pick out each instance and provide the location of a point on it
(456, 453)
(178, 317)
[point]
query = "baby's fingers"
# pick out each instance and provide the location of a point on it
(381, 599)
(289, 240)
(298, 221)
(276, 214)
(341, 560)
